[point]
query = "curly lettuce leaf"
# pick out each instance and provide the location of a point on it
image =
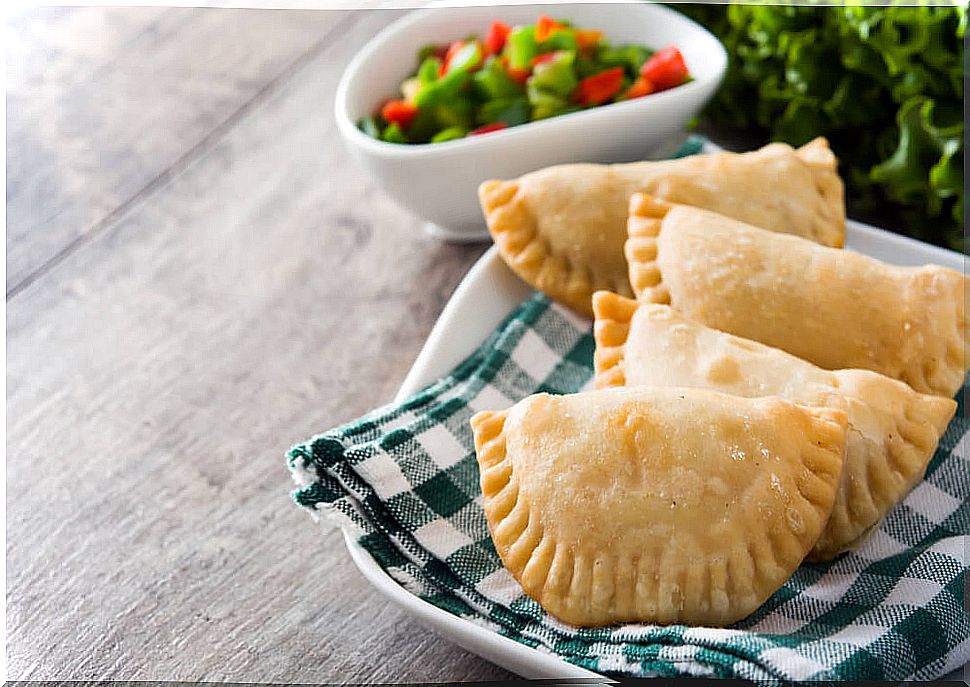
(884, 84)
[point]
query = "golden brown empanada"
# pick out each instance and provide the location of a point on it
(654, 504)
(835, 308)
(893, 430)
(562, 228)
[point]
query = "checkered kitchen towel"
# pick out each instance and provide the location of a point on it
(404, 481)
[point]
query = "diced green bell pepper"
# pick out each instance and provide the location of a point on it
(624, 87)
(450, 134)
(394, 134)
(442, 90)
(545, 104)
(423, 126)
(466, 59)
(458, 111)
(555, 76)
(630, 57)
(586, 65)
(509, 111)
(428, 71)
(493, 82)
(370, 127)
(560, 39)
(521, 47)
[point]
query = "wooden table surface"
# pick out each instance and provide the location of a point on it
(197, 278)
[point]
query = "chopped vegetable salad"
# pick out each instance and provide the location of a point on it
(515, 75)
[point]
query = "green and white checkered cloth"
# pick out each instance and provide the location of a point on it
(404, 481)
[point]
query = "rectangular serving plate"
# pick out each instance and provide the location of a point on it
(487, 294)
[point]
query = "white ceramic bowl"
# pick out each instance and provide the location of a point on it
(439, 182)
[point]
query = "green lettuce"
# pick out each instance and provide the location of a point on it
(883, 84)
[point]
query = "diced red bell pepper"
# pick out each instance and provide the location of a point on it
(665, 69)
(598, 88)
(545, 25)
(496, 36)
(544, 57)
(518, 75)
(488, 128)
(587, 38)
(399, 112)
(638, 89)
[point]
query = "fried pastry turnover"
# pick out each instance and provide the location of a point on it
(562, 228)
(893, 430)
(652, 504)
(835, 308)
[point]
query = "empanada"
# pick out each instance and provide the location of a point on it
(835, 308)
(893, 430)
(562, 228)
(658, 505)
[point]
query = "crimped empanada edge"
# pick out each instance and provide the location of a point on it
(612, 314)
(515, 231)
(643, 227)
(912, 443)
(613, 586)
(488, 428)
(508, 517)
(517, 535)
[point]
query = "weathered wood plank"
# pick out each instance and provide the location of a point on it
(101, 101)
(64, 45)
(157, 374)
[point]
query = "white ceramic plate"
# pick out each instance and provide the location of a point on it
(488, 293)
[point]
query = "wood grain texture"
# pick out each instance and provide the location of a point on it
(157, 372)
(102, 101)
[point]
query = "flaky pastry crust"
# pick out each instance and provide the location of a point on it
(893, 430)
(837, 309)
(562, 228)
(658, 505)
